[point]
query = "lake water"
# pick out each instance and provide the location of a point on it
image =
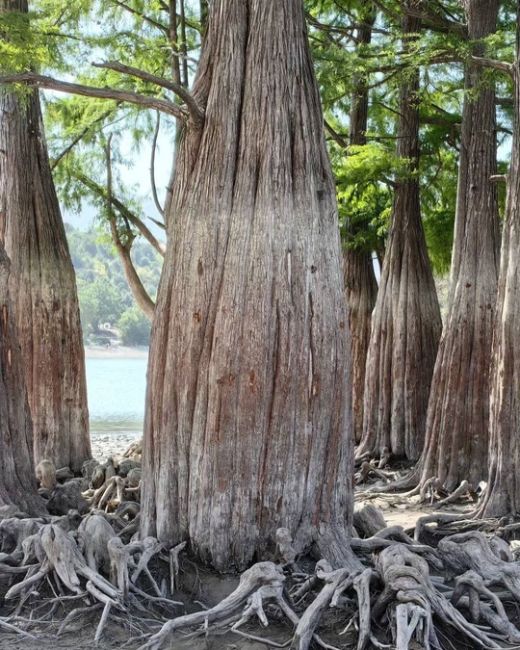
(116, 393)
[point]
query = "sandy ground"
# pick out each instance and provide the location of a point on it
(114, 637)
(102, 352)
(105, 445)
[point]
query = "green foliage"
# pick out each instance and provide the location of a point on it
(134, 327)
(364, 175)
(103, 291)
(65, 36)
(135, 33)
(364, 193)
(100, 302)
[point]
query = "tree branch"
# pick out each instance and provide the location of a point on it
(504, 102)
(42, 81)
(80, 136)
(141, 296)
(152, 165)
(147, 19)
(195, 110)
(190, 23)
(438, 23)
(138, 289)
(184, 44)
(502, 66)
(124, 211)
(337, 137)
(432, 20)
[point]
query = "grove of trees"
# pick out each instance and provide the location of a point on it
(328, 164)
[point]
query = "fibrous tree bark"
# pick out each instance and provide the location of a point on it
(361, 289)
(42, 282)
(406, 322)
(503, 493)
(17, 482)
(456, 446)
(360, 281)
(248, 422)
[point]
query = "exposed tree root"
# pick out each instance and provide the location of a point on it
(421, 608)
(382, 588)
(370, 470)
(259, 575)
(393, 484)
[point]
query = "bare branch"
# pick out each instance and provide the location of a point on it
(502, 66)
(42, 81)
(195, 110)
(124, 211)
(337, 137)
(138, 289)
(152, 165)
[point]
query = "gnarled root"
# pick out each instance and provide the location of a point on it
(383, 577)
(407, 580)
(372, 470)
(135, 450)
(259, 575)
(490, 559)
(58, 553)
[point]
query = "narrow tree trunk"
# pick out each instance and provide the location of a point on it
(42, 283)
(406, 322)
(361, 289)
(503, 494)
(123, 248)
(140, 294)
(456, 446)
(17, 482)
(360, 280)
(248, 409)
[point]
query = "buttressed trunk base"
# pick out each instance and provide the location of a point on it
(248, 411)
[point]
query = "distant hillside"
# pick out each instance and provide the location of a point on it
(104, 295)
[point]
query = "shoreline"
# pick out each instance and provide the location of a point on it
(112, 444)
(119, 352)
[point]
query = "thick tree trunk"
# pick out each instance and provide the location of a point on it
(42, 283)
(503, 494)
(456, 447)
(406, 322)
(17, 481)
(360, 280)
(248, 420)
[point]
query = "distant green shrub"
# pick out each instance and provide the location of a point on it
(134, 327)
